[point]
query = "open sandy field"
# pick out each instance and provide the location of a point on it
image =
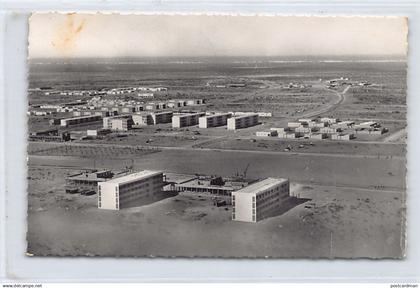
(350, 196)
(325, 222)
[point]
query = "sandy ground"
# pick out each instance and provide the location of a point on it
(352, 205)
(329, 222)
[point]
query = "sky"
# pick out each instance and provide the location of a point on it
(54, 35)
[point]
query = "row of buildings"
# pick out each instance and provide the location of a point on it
(250, 202)
(180, 120)
(324, 128)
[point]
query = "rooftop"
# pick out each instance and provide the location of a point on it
(82, 117)
(134, 176)
(188, 114)
(179, 178)
(244, 115)
(262, 185)
(216, 115)
(89, 176)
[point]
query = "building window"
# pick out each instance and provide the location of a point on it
(233, 216)
(253, 218)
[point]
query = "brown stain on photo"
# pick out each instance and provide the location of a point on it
(65, 38)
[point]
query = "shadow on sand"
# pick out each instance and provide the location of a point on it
(150, 200)
(287, 205)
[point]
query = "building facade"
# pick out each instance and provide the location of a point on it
(121, 124)
(107, 121)
(260, 200)
(242, 121)
(119, 193)
(213, 120)
(185, 120)
(80, 120)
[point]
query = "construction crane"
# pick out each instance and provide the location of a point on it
(246, 170)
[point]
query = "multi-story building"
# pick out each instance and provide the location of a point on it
(214, 120)
(107, 121)
(119, 193)
(152, 118)
(184, 120)
(82, 120)
(142, 119)
(242, 121)
(162, 117)
(259, 200)
(121, 124)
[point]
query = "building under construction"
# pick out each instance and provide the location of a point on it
(86, 183)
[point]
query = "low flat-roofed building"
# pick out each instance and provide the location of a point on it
(242, 121)
(213, 120)
(305, 120)
(270, 133)
(290, 135)
(214, 185)
(306, 129)
(316, 124)
(329, 130)
(86, 182)
(367, 125)
(342, 136)
(120, 192)
(294, 124)
(343, 124)
(329, 120)
(185, 120)
(260, 200)
(318, 136)
(281, 129)
(192, 102)
(128, 109)
(370, 131)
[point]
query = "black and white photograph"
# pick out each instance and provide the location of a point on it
(216, 136)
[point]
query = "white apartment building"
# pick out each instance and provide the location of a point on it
(109, 124)
(242, 121)
(184, 120)
(213, 120)
(259, 200)
(118, 193)
(121, 124)
(82, 120)
(152, 118)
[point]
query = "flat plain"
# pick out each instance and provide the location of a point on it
(351, 194)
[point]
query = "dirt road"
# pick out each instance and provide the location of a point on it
(397, 136)
(330, 107)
